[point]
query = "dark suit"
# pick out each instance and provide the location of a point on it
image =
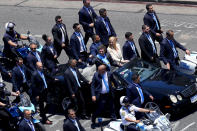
(134, 96)
(48, 58)
(57, 36)
(70, 126)
(38, 89)
(101, 30)
(76, 46)
(167, 54)
(74, 88)
(149, 21)
(128, 52)
(17, 79)
(94, 48)
(85, 19)
(103, 99)
(31, 61)
(147, 50)
(98, 61)
(23, 126)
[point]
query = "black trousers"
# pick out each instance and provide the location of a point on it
(59, 50)
(103, 100)
(80, 102)
(4, 116)
(87, 36)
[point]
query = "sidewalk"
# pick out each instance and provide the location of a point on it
(186, 2)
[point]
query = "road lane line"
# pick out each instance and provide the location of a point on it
(184, 129)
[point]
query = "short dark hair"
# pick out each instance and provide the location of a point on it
(44, 37)
(57, 17)
(148, 5)
(127, 35)
(102, 10)
(70, 61)
(134, 76)
(168, 32)
(144, 27)
(84, 1)
(75, 25)
(102, 47)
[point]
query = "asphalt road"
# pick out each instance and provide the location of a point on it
(38, 17)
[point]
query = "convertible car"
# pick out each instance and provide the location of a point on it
(172, 90)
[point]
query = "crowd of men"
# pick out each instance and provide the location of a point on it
(105, 52)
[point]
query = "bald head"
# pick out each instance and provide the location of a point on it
(102, 69)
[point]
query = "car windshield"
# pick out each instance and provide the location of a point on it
(144, 69)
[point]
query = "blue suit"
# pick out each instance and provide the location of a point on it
(102, 31)
(103, 99)
(128, 52)
(149, 21)
(31, 61)
(48, 58)
(75, 46)
(17, 77)
(85, 19)
(134, 96)
(23, 126)
(167, 54)
(94, 48)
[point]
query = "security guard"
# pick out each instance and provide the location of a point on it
(127, 113)
(10, 40)
(4, 103)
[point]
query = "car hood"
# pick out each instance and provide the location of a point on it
(168, 82)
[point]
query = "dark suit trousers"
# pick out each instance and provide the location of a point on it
(103, 100)
(59, 50)
(87, 36)
(42, 99)
(4, 115)
(80, 102)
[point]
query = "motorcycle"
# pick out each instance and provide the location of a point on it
(16, 111)
(189, 64)
(155, 121)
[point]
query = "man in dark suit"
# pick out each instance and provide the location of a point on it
(104, 27)
(87, 16)
(20, 79)
(151, 20)
(74, 79)
(102, 92)
(79, 49)
(129, 49)
(104, 58)
(33, 57)
(136, 94)
(168, 52)
(72, 123)
(60, 37)
(94, 46)
(148, 47)
(26, 124)
(49, 54)
(39, 88)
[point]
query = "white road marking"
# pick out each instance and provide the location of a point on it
(184, 129)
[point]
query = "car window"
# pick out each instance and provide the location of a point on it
(144, 69)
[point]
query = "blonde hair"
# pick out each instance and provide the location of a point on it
(114, 40)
